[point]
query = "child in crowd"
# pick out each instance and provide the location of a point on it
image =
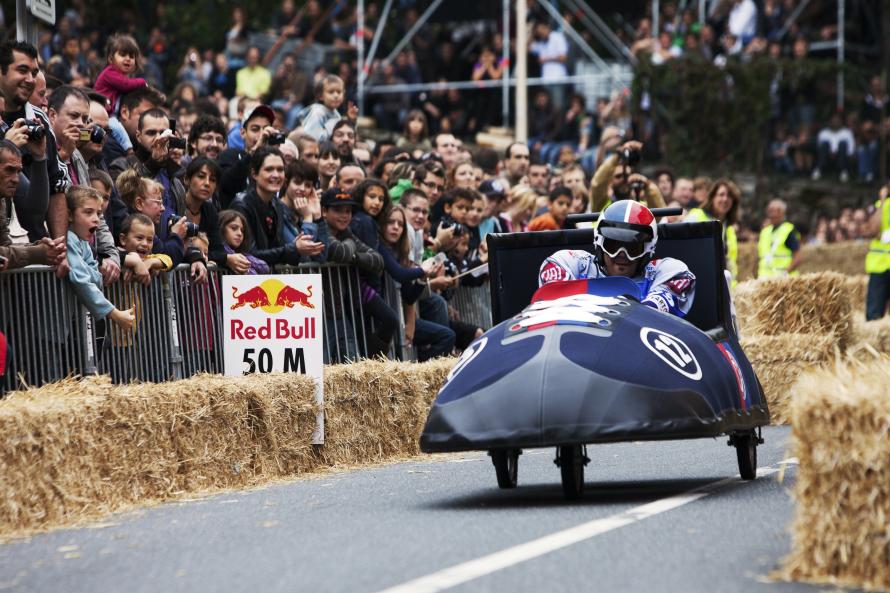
(123, 58)
(456, 203)
(373, 199)
(322, 115)
(555, 218)
(145, 195)
(101, 182)
(474, 218)
(84, 206)
(202, 243)
(237, 243)
(136, 240)
(345, 248)
(328, 163)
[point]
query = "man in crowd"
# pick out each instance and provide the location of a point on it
(256, 129)
(836, 148)
(254, 79)
(69, 114)
(132, 106)
(615, 181)
(539, 176)
(348, 176)
(551, 49)
(18, 75)
(445, 145)
(343, 137)
(516, 161)
(47, 251)
(778, 248)
(684, 193)
(207, 137)
(877, 262)
(429, 177)
(308, 147)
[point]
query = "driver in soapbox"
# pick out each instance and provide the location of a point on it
(624, 240)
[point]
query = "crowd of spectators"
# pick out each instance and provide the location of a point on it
(239, 166)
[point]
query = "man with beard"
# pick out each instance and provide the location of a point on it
(132, 106)
(343, 137)
(615, 180)
(206, 138)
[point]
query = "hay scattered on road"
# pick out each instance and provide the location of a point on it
(841, 431)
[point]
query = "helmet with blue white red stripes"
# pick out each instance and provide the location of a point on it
(626, 226)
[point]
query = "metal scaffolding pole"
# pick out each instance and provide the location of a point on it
(420, 22)
(361, 57)
(505, 63)
(571, 32)
(655, 18)
(840, 52)
(600, 30)
(378, 33)
(521, 72)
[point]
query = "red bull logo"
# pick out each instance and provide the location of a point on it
(272, 296)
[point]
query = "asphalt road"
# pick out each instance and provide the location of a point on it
(654, 517)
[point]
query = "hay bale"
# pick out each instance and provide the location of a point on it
(807, 304)
(747, 261)
(857, 287)
(841, 532)
(873, 335)
(375, 410)
(80, 448)
(779, 361)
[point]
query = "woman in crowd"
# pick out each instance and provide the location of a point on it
(521, 207)
(723, 203)
(201, 180)
(416, 133)
(462, 174)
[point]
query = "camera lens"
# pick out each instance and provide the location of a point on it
(97, 135)
(176, 142)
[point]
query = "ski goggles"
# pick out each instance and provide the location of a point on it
(632, 250)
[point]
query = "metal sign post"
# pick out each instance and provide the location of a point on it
(26, 13)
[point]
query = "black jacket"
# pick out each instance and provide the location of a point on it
(271, 250)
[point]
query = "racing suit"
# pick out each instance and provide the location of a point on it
(665, 284)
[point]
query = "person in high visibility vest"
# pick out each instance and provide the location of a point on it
(723, 204)
(615, 180)
(877, 262)
(779, 246)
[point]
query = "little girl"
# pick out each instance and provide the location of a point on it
(84, 206)
(136, 240)
(374, 201)
(237, 243)
(123, 57)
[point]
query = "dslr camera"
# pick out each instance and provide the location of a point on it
(191, 229)
(34, 129)
(276, 139)
(94, 134)
(629, 156)
(448, 222)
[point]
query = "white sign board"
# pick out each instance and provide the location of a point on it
(45, 10)
(274, 323)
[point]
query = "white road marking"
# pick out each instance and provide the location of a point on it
(480, 567)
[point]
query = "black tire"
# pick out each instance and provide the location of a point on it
(746, 451)
(571, 469)
(506, 466)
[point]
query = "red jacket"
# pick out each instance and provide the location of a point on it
(113, 84)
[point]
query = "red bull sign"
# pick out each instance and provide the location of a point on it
(273, 323)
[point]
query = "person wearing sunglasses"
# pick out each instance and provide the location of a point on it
(624, 242)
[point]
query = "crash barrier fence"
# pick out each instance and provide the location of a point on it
(179, 324)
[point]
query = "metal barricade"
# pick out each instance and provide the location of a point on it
(151, 351)
(392, 295)
(473, 304)
(45, 327)
(197, 315)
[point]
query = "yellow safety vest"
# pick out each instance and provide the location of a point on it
(775, 257)
(730, 240)
(878, 259)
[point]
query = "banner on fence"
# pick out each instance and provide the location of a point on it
(273, 323)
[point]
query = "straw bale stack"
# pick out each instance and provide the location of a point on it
(80, 448)
(779, 360)
(844, 258)
(747, 261)
(376, 409)
(873, 334)
(841, 531)
(856, 288)
(809, 304)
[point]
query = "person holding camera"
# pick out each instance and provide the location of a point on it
(153, 157)
(69, 115)
(615, 180)
(18, 76)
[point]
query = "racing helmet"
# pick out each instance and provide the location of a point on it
(626, 226)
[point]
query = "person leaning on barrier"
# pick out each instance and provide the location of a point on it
(31, 199)
(303, 224)
(615, 180)
(46, 251)
(877, 262)
(201, 178)
(723, 204)
(264, 211)
(84, 205)
(69, 113)
(136, 242)
(778, 248)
